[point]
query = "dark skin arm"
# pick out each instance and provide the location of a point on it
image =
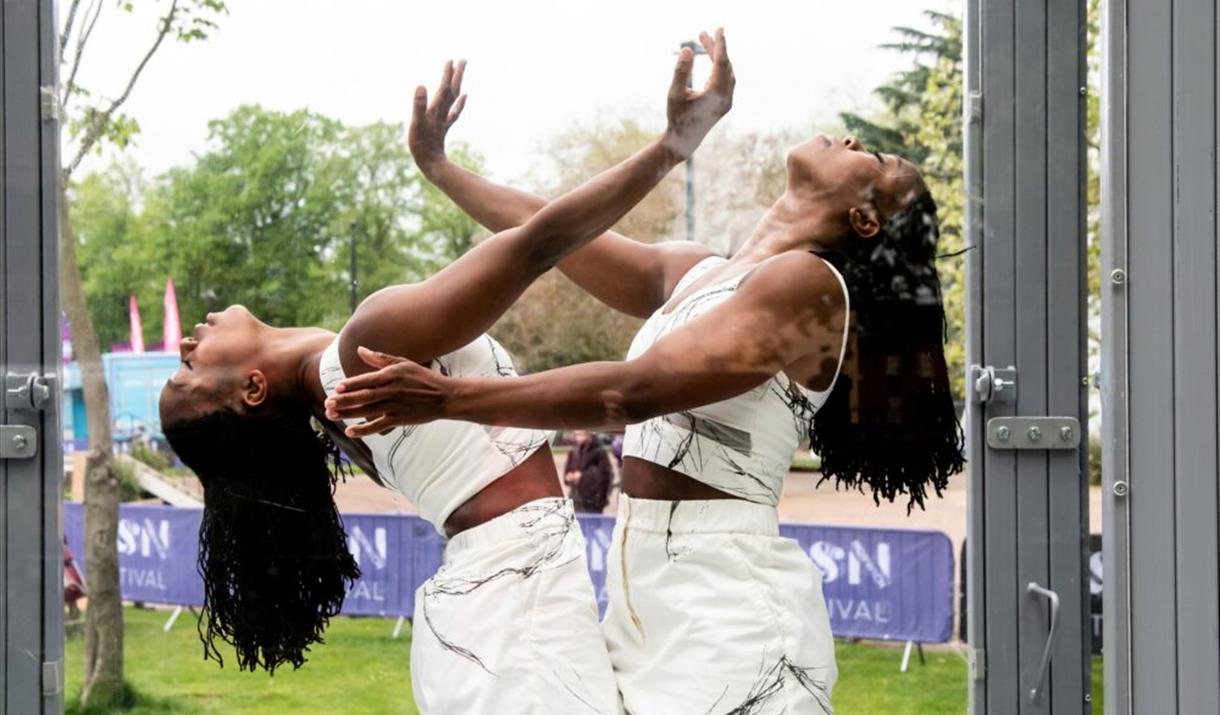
(459, 303)
(631, 277)
(787, 313)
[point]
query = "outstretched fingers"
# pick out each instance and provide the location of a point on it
(686, 60)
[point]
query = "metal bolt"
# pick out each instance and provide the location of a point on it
(19, 441)
(1088, 697)
(1120, 489)
(1065, 433)
(1001, 433)
(1118, 276)
(1084, 91)
(1034, 434)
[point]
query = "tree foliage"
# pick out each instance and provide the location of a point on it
(266, 216)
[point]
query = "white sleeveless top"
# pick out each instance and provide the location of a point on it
(439, 465)
(743, 445)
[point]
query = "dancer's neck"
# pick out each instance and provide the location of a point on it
(793, 223)
(292, 356)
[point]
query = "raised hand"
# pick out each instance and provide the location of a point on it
(693, 113)
(430, 120)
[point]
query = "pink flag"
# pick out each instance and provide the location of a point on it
(137, 328)
(172, 328)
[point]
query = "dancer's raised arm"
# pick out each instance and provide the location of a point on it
(464, 299)
(790, 307)
(629, 276)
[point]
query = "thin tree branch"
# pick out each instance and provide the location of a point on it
(95, 6)
(100, 121)
(63, 38)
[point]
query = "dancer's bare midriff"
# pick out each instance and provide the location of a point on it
(533, 479)
(646, 480)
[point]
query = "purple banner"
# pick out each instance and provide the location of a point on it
(887, 584)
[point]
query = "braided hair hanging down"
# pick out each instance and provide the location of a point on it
(890, 423)
(272, 550)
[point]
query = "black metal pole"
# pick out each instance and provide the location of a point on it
(351, 270)
(690, 161)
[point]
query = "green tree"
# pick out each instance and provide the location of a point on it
(117, 259)
(267, 216)
(91, 123)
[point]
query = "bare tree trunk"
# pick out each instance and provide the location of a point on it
(103, 674)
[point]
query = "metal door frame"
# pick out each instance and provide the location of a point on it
(31, 577)
(1025, 215)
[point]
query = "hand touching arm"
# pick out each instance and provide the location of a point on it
(789, 308)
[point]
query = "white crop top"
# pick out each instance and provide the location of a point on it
(439, 465)
(743, 445)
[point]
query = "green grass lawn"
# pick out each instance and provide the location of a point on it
(362, 670)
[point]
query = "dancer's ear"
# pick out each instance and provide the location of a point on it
(254, 389)
(864, 220)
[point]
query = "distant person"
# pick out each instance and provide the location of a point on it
(508, 625)
(588, 474)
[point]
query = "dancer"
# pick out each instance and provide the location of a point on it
(710, 610)
(509, 622)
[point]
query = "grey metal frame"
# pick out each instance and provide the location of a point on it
(1160, 404)
(31, 576)
(1027, 528)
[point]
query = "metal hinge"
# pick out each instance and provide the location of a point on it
(18, 442)
(993, 385)
(1033, 433)
(974, 107)
(49, 103)
(53, 677)
(27, 392)
(977, 659)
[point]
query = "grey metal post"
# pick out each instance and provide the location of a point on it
(1160, 375)
(1027, 531)
(31, 470)
(1116, 531)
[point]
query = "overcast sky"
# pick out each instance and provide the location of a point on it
(535, 66)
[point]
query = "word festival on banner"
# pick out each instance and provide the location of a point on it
(888, 584)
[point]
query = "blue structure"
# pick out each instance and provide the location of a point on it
(135, 383)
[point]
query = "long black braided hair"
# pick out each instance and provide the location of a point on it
(272, 550)
(890, 424)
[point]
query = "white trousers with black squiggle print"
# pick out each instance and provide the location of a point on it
(508, 625)
(713, 613)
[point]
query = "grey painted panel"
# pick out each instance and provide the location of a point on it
(1066, 350)
(52, 359)
(1116, 601)
(999, 314)
(23, 335)
(1151, 339)
(976, 631)
(1194, 361)
(1029, 245)
(3, 363)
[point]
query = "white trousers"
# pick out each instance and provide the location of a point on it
(711, 612)
(509, 622)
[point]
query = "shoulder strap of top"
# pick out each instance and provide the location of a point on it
(694, 272)
(820, 396)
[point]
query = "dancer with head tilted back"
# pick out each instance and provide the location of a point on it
(509, 622)
(827, 322)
